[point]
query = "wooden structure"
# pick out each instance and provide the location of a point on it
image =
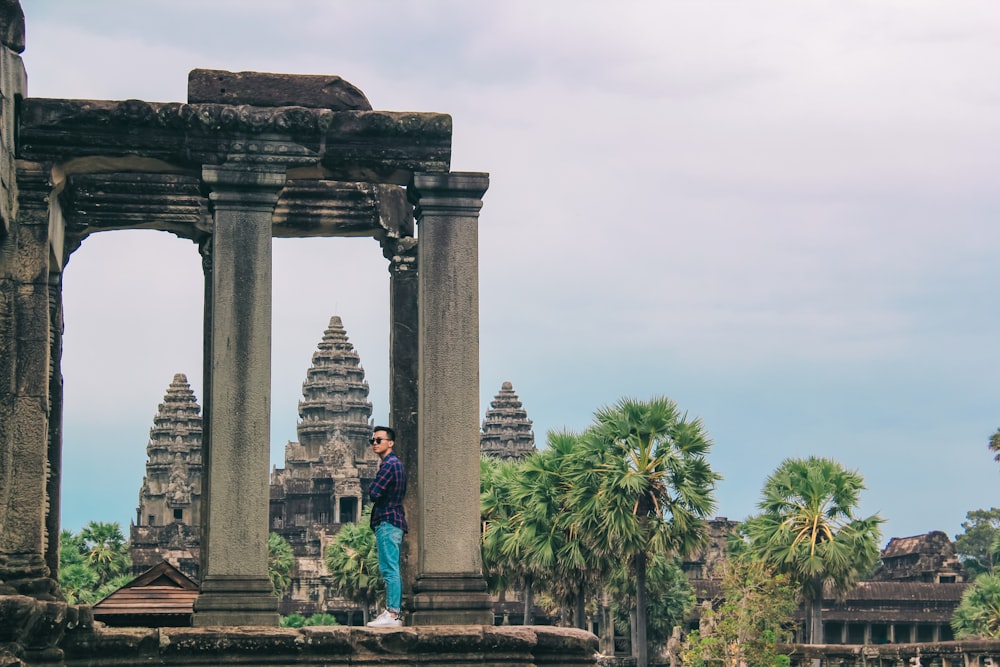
(159, 597)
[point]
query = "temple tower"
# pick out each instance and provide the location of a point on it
(169, 513)
(507, 430)
(326, 472)
(321, 482)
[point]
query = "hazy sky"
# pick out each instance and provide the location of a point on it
(781, 214)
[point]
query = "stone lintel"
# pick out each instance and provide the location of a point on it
(375, 146)
(265, 89)
(93, 202)
(333, 208)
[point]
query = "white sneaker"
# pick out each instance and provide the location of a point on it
(385, 620)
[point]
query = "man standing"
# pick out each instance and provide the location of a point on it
(388, 522)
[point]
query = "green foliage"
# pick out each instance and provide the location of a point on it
(502, 565)
(620, 502)
(299, 621)
(645, 488)
(352, 560)
(978, 615)
(78, 582)
(321, 619)
(755, 615)
(808, 531)
(280, 560)
(670, 597)
(994, 444)
(979, 546)
(541, 539)
(106, 549)
(292, 621)
(94, 563)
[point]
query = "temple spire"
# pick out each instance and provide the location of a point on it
(507, 430)
(172, 486)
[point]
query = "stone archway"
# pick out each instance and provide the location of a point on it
(249, 157)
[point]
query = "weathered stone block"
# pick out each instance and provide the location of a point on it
(564, 646)
(31, 254)
(265, 89)
(12, 25)
(110, 643)
(323, 640)
(31, 319)
(177, 643)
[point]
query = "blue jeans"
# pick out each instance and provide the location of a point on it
(387, 540)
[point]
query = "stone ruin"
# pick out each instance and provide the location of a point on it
(248, 157)
(322, 485)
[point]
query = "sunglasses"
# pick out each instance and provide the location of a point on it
(376, 441)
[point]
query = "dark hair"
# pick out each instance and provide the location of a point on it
(388, 431)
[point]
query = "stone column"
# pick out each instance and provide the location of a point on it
(24, 370)
(403, 367)
(53, 487)
(235, 588)
(450, 587)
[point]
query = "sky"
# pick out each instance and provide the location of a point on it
(781, 214)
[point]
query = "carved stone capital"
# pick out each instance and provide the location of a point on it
(402, 254)
(452, 194)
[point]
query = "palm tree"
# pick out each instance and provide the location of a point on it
(668, 590)
(497, 479)
(995, 444)
(352, 560)
(78, 582)
(642, 486)
(544, 535)
(978, 615)
(280, 560)
(807, 530)
(106, 549)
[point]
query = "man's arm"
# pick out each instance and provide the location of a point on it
(380, 484)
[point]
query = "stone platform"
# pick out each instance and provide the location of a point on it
(85, 643)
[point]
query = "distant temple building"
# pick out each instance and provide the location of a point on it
(327, 472)
(168, 518)
(910, 598)
(506, 429)
(928, 558)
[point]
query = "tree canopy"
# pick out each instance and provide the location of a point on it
(979, 546)
(978, 615)
(807, 529)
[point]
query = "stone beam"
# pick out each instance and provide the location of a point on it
(265, 89)
(373, 146)
(309, 208)
(95, 202)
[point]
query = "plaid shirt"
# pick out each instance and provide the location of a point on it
(387, 492)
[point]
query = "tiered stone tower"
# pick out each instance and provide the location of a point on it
(168, 517)
(328, 470)
(507, 430)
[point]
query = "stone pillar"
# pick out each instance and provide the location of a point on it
(235, 588)
(450, 587)
(403, 355)
(24, 392)
(53, 486)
